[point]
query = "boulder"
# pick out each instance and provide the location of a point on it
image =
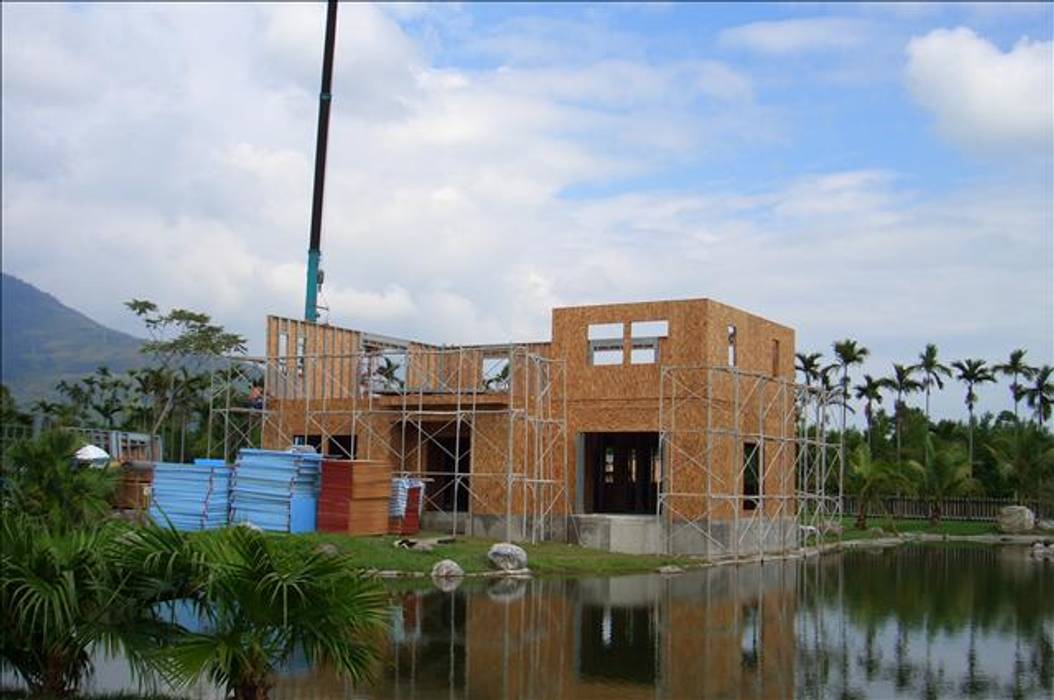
(507, 557)
(1015, 520)
(1045, 525)
(831, 528)
(876, 531)
(328, 549)
(447, 569)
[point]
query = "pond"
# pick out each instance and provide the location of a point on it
(915, 621)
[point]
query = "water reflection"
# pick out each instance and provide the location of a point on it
(918, 622)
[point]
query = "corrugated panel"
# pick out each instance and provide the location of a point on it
(191, 496)
(276, 490)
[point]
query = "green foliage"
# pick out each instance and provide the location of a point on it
(42, 480)
(946, 473)
(871, 478)
(1040, 395)
(1025, 456)
(61, 596)
(262, 602)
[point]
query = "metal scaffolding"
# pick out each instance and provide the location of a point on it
(484, 426)
(750, 464)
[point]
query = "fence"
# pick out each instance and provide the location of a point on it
(977, 509)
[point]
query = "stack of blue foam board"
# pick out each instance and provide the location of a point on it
(276, 490)
(191, 496)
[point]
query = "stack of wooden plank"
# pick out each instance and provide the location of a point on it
(354, 497)
(133, 491)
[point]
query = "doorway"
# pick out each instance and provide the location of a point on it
(622, 472)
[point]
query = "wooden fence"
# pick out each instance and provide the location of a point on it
(980, 509)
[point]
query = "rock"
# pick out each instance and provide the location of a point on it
(670, 570)
(1016, 520)
(1041, 552)
(831, 528)
(507, 557)
(876, 531)
(328, 549)
(1045, 525)
(422, 547)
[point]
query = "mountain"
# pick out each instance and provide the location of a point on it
(43, 341)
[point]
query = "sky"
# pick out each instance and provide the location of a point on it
(881, 171)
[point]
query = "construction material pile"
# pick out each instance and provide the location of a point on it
(405, 506)
(354, 497)
(276, 490)
(191, 496)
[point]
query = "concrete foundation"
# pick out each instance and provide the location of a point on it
(630, 534)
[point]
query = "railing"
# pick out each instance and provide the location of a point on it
(960, 508)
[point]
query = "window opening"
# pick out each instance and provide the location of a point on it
(775, 358)
(605, 343)
(731, 346)
(609, 465)
(751, 475)
(496, 373)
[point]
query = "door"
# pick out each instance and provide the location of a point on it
(622, 468)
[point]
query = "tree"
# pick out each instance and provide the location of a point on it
(263, 600)
(389, 373)
(808, 365)
(947, 473)
(1040, 395)
(1014, 368)
(871, 478)
(932, 371)
(102, 393)
(1025, 455)
(180, 339)
(847, 353)
(9, 411)
(871, 392)
(902, 383)
(61, 598)
(42, 480)
(972, 372)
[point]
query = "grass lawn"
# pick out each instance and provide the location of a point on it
(893, 526)
(471, 553)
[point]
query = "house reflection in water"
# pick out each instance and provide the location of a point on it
(721, 632)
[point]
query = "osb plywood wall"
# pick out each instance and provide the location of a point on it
(610, 398)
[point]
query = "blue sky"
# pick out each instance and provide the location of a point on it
(880, 171)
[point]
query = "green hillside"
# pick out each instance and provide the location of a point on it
(44, 341)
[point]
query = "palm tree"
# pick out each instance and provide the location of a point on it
(932, 370)
(42, 480)
(1016, 367)
(871, 392)
(61, 597)
(1026, 456)
(902, 383)
(871, 478)
(972, 372)
(947, 473)
(808, 365)
(262, 601)
(1040, 395)
(389, 372)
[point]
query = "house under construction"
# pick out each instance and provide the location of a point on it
(671, 426)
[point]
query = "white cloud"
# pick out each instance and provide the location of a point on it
(187, 178)
(792, 36)
(985, 99)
